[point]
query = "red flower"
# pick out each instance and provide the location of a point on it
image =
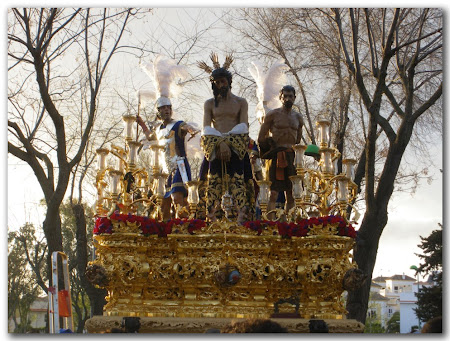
(102, 225)
(314, 221)
(162, 229)
(255, 225)
(195, 224)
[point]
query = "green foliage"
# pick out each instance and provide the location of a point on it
(23, 290)
(372, 327)
(429, 300)
(432, 252)
(22, 285)
(393, 325)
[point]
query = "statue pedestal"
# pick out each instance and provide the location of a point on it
(103, 324)
(189, 283)
(224, 275)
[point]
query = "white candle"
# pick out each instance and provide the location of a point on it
(193, 197)
(349, 168)
(128, 121)
(101, 158)
(297, 189)
(342, 194)
(133, 146)
(114, 184)
(327, 165)
(299, 155)
(324, 132)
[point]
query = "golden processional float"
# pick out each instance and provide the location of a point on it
(190, 275)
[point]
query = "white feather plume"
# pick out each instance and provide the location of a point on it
(274, 80)
(269, 84)
(146, 96)
(257, 73)
(164, 74)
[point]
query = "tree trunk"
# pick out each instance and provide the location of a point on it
(52, 231)
(96, 296)
(365, 255)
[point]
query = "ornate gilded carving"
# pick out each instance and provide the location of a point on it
(187, 275)
(238, 142)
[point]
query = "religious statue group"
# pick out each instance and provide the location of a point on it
(231, 164)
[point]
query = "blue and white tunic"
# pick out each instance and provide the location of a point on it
(175, 157)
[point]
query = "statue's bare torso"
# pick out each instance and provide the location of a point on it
(285, 127)
(229, 112)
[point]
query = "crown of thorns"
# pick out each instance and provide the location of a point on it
(215, 60)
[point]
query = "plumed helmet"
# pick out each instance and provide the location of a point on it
(162, 101)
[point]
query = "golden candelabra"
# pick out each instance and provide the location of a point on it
(317, 192)
(124, 187)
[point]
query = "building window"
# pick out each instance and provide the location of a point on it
(372, 314)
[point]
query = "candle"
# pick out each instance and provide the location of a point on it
(327, 165)
(324, 132)
(133, 146)
(299, 155)
(297, 189)
(114, 184)
(193, 197)
(342, 194)
(263, 192)
(101, 158)
(128, 121)
(349, 168)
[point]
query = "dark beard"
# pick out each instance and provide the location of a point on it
(222, 92)
(288, 105)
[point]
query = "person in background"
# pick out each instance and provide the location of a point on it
(433, 325)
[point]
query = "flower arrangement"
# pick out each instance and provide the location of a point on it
(302, 227)
(149, 226)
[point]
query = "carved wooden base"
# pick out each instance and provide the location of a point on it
(192, 275)
(103, 324)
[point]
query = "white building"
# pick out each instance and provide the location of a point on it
(399, 291)
(37, 315)
(408, 318)
(377, 308)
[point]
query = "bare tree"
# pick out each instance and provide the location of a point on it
(54, 56)
(403, 71)
(377, 77)
(308, 44)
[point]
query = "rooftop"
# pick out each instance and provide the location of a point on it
(401, 278)
(377, 297)
(393, 278)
